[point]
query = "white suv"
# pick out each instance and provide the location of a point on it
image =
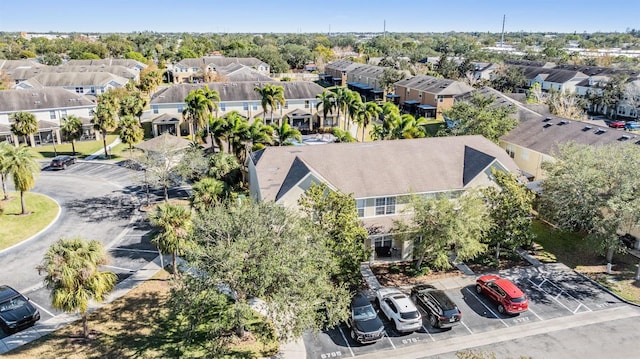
(400, 309)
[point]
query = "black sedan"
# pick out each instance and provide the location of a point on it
(62, 161)
(16, 311)
(442, 311)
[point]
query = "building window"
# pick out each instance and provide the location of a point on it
(223, 106)
(384, 241)
(63, 113)
(80, 90)
(286, 105)
(440, 98)
(385, 205)
(255, 106)
(511, 150)
(52, 115)
(154, 108)
(524, 154)
(180, 108)
(245, 106)
(306, 104)
(360, 203)
(408, 92)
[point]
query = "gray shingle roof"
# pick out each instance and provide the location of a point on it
(237, 91)
(225, 61)
(238, 72)
(66, 79)
(435, 85)
(8, 65)
(50, 98)
(164, 142)
(381, 168)
(129, 63)
(24, 73)
(544, 136)
(342, 65)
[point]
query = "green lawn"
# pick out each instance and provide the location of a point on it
(15, 227)
(83, 148)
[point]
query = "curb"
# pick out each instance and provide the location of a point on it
(42, 230)
(606, 289)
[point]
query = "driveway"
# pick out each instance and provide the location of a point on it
(98, 201)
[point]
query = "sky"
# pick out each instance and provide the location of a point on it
(295, 16)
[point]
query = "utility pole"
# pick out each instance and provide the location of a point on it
(384, 28)
(504, 17)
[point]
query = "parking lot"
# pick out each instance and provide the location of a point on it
(554, 291)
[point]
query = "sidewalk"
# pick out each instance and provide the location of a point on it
(101, 152)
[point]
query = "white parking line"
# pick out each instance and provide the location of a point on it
(346, 341)
(42, 309)
(125, 269)
(489, 309)
(466, 327)
(133, 250)
(537, 286)
(534, 313)
(390, 342)
(430, 336)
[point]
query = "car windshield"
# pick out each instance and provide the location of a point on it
(410, 315)
(364, 313)
(519, 299)
(12, 304)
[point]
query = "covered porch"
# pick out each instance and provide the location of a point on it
(301, 120)
(166, 122)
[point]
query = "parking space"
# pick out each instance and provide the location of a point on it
(553, 292)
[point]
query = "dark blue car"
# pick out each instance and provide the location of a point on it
(632, 125)
(16, 311)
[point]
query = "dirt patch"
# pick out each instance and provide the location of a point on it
(402, 274)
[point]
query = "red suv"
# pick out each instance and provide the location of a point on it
(510, 299)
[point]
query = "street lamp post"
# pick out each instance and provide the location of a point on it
(53, 136)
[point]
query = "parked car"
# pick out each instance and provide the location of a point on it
(616, 124)
(632, 125)
(442, 311)
(366, 326)
(62, 162)
(399, 309)
(16, 311)
(508, 296)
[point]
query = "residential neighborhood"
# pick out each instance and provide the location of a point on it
(320, 194)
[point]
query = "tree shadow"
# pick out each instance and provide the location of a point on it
(105, 208)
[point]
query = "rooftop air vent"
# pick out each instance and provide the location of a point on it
(547, 125)
(547, 119)
(624, 138)
(600, 131)
(586, 128)
(563, 122)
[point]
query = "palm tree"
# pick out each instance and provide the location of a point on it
(73, 275)
(237, 133)
(354, 107)
(407, 126)
(5, 153)
(174, 225)
(207, 192)
(214, 103)
(342, 135)
(197, 110)
(371, 111)
(24, 124)
(72, 129)
(218, 130)
(285, 132)
(105, 117)
(341, 101)
(23, 167)
(260, 134)
(130, 131)
(327, 100)
(272, 95)
(132, 104)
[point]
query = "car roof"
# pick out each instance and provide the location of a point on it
(443, 299)
(61, 157)
(7, 292)
(511, 289)
(386, 291)
(360, 300)
(403, 303)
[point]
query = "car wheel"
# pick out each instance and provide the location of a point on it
(377, 303)
(353, 335)
(500, 309)
(432, 321)
(478, 289)
(73, 162)
(64, 166)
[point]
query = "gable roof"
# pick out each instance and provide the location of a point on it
(164, 142)
(435, 85)
(238, 72)
(8, 65)
(342, 65)
(380, 168)
(49, 98)
(238, 91)
(129, 63)
(218, 61)
(27, 73)
(67, 79)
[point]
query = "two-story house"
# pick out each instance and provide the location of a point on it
(428, 96)
(300, 107)
(381, 175)
(49, 106)
(23, 74)
(83, 83)
(193, 70)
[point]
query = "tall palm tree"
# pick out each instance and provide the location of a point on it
(130, 132)
(237, 134)
(24, 124)
(342, 135)
(207, 192)
(354, 108)
(174, 225)
(132, 104)
(23, 168)
(105, 117)
(327, 100)
(371, 111)
(260, 134)
(214, 104)
(407, 126)
(342, 97)
(272, 95)
(73, 275)
(197, 111)
(5, 153)
(72, 129)
(285, 132)
(218, 130)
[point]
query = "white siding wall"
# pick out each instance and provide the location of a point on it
(45, 115)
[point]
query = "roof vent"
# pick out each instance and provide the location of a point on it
(586, 128)
(624, 138)
(600, 131)
(547, 119)
(547, 125)
(563, 122)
